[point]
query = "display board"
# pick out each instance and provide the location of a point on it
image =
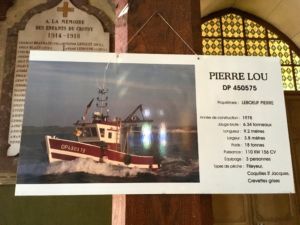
(142, 123)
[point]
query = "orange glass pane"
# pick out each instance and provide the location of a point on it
(287, 78)
(211, 28)
(272, 35)
(257, 47)
(212, 46)
(278, 48)
(254, 30)
(234, 47)
(297, 76)
(232, 26)
(296, 58)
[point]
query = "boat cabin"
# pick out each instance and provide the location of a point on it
(100, 131)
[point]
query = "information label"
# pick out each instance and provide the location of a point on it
(242, 127)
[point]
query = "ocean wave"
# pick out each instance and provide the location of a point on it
(32, 169)
(178, 167)
(170, 168)
(92, 167)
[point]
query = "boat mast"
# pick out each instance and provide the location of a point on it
(102, 98)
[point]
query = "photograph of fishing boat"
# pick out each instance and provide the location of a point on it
(103, 122)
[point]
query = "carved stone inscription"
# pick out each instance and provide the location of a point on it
(62, 28)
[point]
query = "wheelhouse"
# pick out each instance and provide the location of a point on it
(97, 133)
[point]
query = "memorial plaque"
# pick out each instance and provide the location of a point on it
(61, 28)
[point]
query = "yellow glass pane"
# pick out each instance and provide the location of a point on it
(254, 30)
(287, 78)
(234, 47)
(272, 35)
(296, 58)
(297, 76)
(211, 28)
(280, 49)
(257, 47)
(212, 46)
(232, 26)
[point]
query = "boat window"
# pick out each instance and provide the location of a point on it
(102, 132)
(109, 135)
(94, 132)
(86, 132)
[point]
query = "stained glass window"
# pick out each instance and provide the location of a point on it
(238, 33)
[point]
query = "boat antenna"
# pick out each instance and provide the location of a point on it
(104, 78)
(102, 94)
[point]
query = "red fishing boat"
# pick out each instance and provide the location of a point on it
(103, 139)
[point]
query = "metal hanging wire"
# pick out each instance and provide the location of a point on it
(145, 24)
(169, 25)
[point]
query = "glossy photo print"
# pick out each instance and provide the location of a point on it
(112, 124)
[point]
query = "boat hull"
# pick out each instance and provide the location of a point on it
(62, 149)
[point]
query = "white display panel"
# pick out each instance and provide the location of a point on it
(242, 127)
(218, 124)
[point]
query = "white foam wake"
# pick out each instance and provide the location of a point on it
(170, 167)
(178, 167)
(92, 167)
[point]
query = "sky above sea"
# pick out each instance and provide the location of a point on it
(58, 92)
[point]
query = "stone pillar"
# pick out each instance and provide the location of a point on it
(157, 37)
